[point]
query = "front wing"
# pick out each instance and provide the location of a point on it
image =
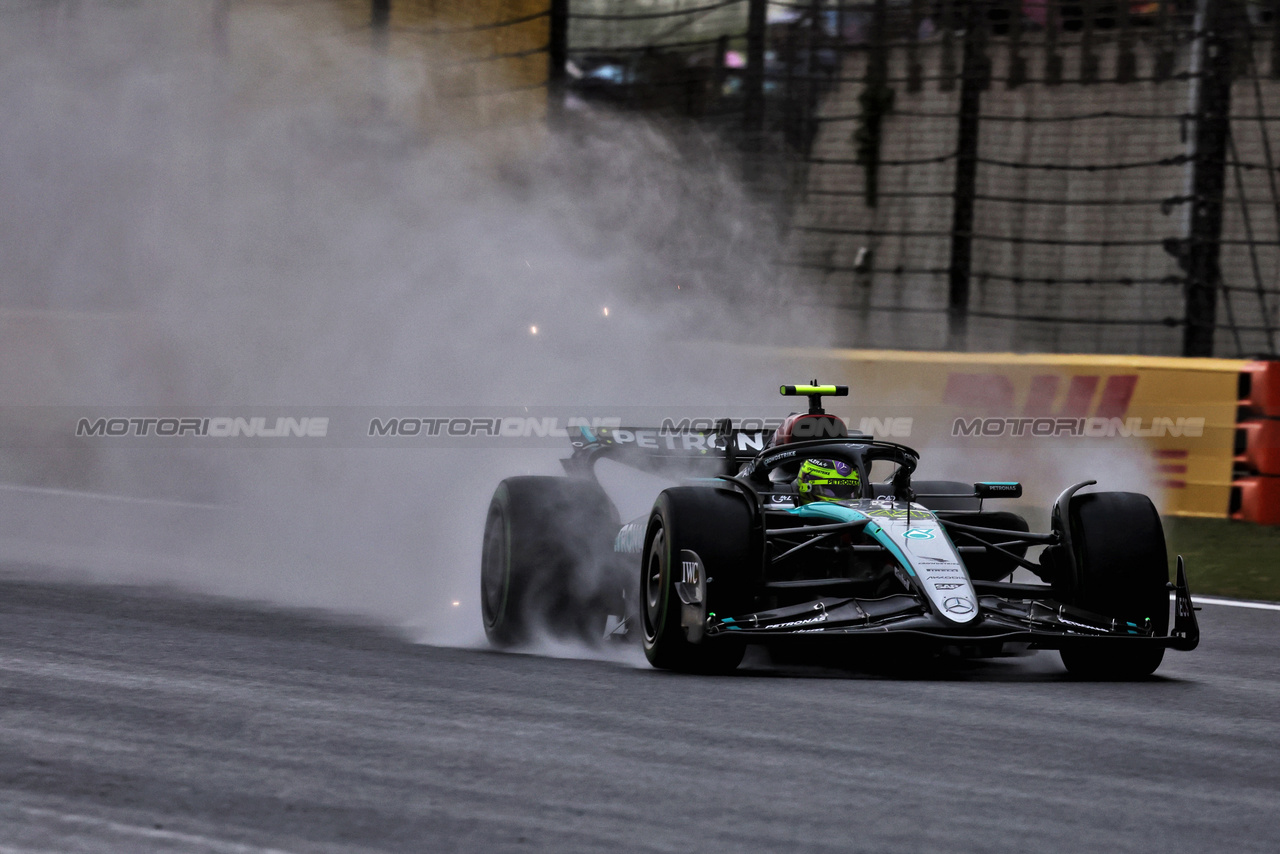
(1017, 613)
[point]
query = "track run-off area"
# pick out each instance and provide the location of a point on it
(134, 719)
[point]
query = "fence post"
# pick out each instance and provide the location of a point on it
(379, 14)
(379, 40)
(1162, 68)
(875, 101)
(947, 69)
(915, 71)
(1211, 75)
(379, 19)
(1052, 59)
(753, 108)
(1275, 39)
(974, 76)
(1088, 56)
(1017, 74)
(1126, 62)
(557, 59)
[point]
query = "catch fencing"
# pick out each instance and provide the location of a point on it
(1012, 174)
(1028, 175)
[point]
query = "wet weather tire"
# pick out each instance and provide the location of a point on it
(716, 525)
(1121, 570)
(547, 557)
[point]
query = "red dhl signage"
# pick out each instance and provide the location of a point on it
(996, 392)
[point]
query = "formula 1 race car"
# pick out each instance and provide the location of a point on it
(786, 540)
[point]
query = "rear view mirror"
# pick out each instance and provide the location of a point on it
(998, 489)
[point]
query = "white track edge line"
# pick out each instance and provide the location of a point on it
(102, 496)
(137, 830)
(1235, 603)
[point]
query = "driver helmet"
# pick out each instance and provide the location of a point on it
(827, 480)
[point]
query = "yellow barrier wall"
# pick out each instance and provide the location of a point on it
(1178, 413)
(487, 56)
(474, 63)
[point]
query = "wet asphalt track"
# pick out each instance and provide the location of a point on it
(142, 721)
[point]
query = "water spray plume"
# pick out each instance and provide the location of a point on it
(250, 219)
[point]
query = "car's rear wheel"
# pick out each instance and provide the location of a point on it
(715, 526)
(1122, 571)
(547, 558)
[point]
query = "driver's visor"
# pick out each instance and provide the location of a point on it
(834, 488)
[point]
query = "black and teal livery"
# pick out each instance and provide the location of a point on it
(737, 556)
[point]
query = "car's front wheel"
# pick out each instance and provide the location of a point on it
(699, 544)
(1122, 571)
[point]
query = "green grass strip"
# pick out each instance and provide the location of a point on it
(1227, 558)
